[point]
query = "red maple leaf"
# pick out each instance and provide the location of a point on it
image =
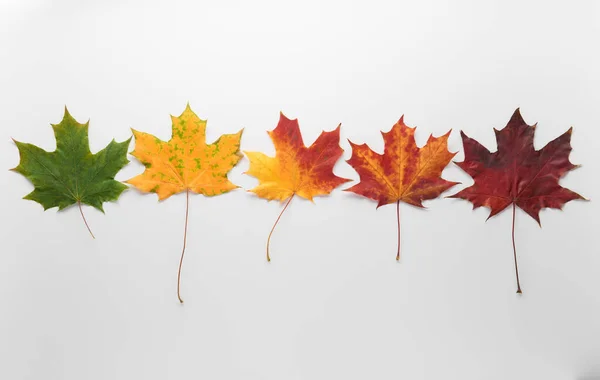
(404, 172)
(517, 174)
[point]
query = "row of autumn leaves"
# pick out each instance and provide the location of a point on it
(516, 174)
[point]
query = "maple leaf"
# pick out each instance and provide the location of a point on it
(72, 174)
(517, 174)
(185, 163)
(296, 169)
(404, 172)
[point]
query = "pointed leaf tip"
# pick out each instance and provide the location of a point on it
(282, 116)
(66, 115)
(336, 130)
(517, 118)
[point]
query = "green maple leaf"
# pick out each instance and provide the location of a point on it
(72, 174)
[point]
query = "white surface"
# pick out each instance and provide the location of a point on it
(333, 303)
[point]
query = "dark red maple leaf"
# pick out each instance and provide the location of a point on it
(517, 174)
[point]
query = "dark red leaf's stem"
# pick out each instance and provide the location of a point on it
(85, 221)
(515, 249)
(273, 229)
(187, 208)
(398, 217)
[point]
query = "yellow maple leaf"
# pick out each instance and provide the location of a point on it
(185, 163)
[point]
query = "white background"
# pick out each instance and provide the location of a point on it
(333, 303)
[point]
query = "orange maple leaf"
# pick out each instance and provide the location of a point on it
(296, 169)
(185, 163)
(404, 172)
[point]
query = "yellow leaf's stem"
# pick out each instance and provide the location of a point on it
(515, 249)
(187, 208)
(398, 217)
(85, 221)
(273, 229)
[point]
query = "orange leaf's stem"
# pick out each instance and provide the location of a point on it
(515, 249)
(273, 229)
(398, 215)
(85, 221)
(187, 208)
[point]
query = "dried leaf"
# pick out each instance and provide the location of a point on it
(404, 172)
(517, 174)
(296, 169)
(186, 163)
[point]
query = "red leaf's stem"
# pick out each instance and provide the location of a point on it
(398, 215)
(187, 208)
(515, 249)
(273, 229)
(85, 221)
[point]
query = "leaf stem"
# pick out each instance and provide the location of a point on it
(187, 209)
(273, 229)
(85, 221)
(515, 249)
(398, 217)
